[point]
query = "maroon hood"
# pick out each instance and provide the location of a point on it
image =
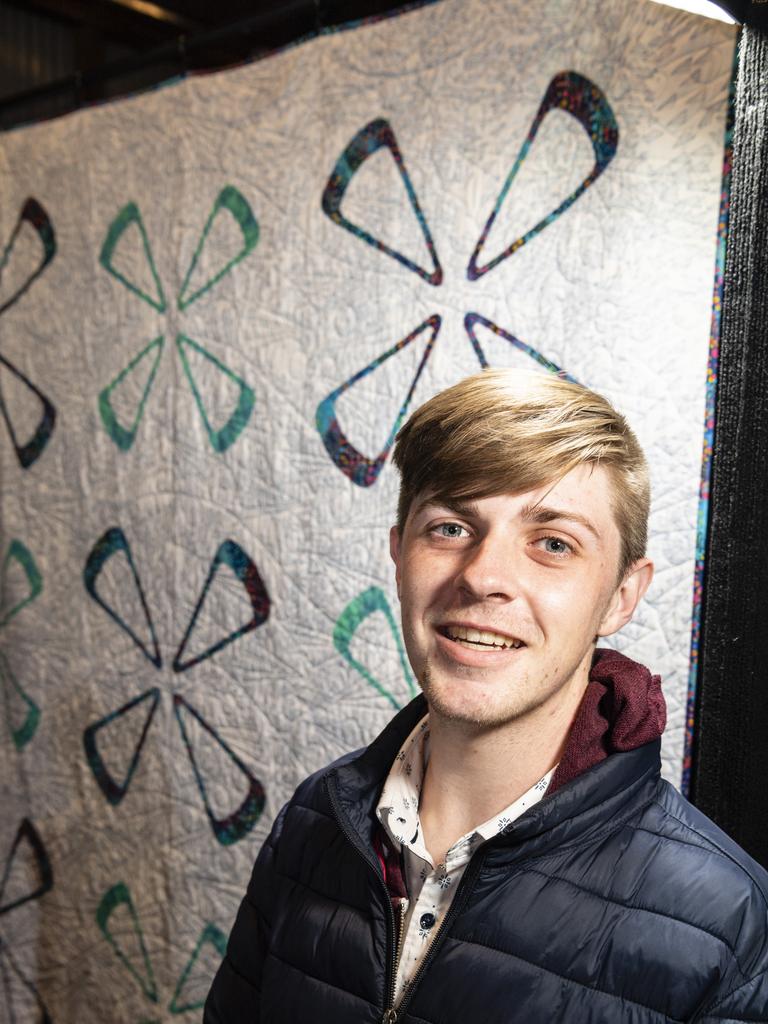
(622, 708)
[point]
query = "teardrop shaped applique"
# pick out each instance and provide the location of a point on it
(20, 997)
(126, 730)
(357, 611)
(582, 99)
(27, 873)
(127, 389)
(195, 979)
(21, 713)
(14, 281)
(256, 603)
(374, 136)
(362, 469)
(126, 254)
(471, 323)
(16, 593)
(27, 451)
(218, 251)
(118, 900)
(114, 542)
(228, 828)
(222, 437)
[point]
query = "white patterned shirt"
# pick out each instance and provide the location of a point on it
(430, 886)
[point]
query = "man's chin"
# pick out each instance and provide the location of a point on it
(476, 711)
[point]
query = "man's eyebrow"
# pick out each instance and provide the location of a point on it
(465, 509)
(545, 514)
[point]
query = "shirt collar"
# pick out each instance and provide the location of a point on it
(398, 807)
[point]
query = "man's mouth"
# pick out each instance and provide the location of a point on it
(480, 639)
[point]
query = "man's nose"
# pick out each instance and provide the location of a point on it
(490, 570)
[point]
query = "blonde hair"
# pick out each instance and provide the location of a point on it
(509, 431)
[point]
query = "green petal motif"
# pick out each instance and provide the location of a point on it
(232, 201)
(359, 608)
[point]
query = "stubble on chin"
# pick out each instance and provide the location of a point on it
(478, 717)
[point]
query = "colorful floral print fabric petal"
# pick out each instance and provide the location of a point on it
(569, 92)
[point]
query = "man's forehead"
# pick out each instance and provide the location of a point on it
(584, 483)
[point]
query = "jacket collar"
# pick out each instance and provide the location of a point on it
(611, 761)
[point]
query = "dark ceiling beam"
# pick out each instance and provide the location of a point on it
(159, 12)
(117, 24)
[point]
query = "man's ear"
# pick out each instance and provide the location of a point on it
(626, 597)
(394, 550)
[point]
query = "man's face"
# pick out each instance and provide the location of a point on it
(502, 597)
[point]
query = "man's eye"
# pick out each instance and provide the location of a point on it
(449, 530)
(556, 546)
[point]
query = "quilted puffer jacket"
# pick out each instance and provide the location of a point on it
(613, 899)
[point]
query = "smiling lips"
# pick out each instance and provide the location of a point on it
(477, 639)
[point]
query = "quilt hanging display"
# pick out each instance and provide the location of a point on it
(218, 302)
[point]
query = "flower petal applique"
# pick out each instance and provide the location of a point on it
(357, 611)
(142, 367)
(127, 592)
(29, 250)
(131, 721)
(19, 554)
(195, 979)
(21, 712)
(35, 225)
(27, 873)
(576, 95)
(376, 135)
(133, 267)
(213, 265)
(17, 589)
(129, 946)
(203, 741)
(362, 469)
(474, 320)
(224, 436)
(256, 604)
(19, 995)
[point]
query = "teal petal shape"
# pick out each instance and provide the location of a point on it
(23, 733)
(127, 216)
(210, 935)
(224, 437)
(125, 436)
(19, 553)
(232, 201)
(371, 600)
(119, 895)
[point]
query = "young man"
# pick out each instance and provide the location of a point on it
(506, 851)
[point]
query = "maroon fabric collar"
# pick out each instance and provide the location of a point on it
(622, 708)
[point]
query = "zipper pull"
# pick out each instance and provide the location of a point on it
(390, 1016)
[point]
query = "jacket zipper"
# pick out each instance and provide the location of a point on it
(465, 885)
(390, 1015)
(395, 937)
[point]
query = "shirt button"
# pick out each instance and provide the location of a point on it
(427, 920)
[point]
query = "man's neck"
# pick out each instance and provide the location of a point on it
(474, 773)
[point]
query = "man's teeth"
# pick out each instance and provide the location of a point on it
(481, 636)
